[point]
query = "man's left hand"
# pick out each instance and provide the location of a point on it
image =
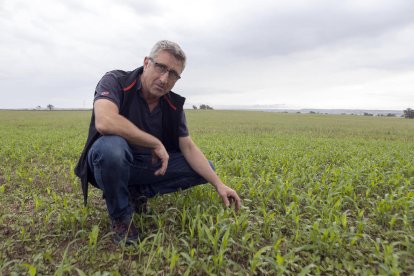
(229, 196)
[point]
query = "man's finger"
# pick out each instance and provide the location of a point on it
(234, 197)
(163, 169)
(164, 165)
(226, 201)
(237, 205)
(154, 159)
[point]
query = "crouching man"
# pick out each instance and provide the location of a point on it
(139, 145)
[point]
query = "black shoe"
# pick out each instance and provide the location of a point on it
(125, 231)
(140, 204)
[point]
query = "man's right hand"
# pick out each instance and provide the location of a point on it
(161, 153)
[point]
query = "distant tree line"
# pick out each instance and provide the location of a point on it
(202, 107)
(49, 107)
(409, 113)
(368, 114)
(387, 115)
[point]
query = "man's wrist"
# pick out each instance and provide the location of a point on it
(218, 184)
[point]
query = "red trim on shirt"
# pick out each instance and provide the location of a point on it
(130, 86)
(170, 103)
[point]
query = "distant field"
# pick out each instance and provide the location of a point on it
(322, 194)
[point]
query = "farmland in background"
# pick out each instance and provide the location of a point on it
(322, 194)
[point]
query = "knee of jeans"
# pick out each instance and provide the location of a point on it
(113, 148)
(212, 165)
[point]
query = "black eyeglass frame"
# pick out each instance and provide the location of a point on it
(162, 69)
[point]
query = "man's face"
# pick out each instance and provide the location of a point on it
(160, 74)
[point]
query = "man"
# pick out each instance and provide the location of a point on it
(138, 144)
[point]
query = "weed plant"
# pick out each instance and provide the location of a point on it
(322, 194)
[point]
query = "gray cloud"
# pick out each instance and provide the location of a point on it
(242, 52)
(145, 8)
(265, 31)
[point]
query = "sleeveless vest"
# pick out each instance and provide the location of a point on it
(171, 105)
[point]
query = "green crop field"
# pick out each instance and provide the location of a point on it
(322, 194)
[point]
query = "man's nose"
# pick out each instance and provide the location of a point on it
(164, 77)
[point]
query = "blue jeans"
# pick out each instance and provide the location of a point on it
(122, 173)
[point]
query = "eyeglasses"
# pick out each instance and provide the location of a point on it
(162, 69)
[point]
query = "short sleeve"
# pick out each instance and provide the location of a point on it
(110, 89)
(182, 129)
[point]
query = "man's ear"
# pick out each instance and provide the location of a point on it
(146, 61)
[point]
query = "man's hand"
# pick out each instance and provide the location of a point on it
(161, 153)
(228, 196)
(199, 163)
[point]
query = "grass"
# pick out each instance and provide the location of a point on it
(322, 194)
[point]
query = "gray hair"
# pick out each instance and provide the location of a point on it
(170, 47)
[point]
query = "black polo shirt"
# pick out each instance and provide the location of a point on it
(110, 89)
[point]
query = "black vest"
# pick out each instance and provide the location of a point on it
(171, 106)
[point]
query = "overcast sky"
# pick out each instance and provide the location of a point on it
(282, 54)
